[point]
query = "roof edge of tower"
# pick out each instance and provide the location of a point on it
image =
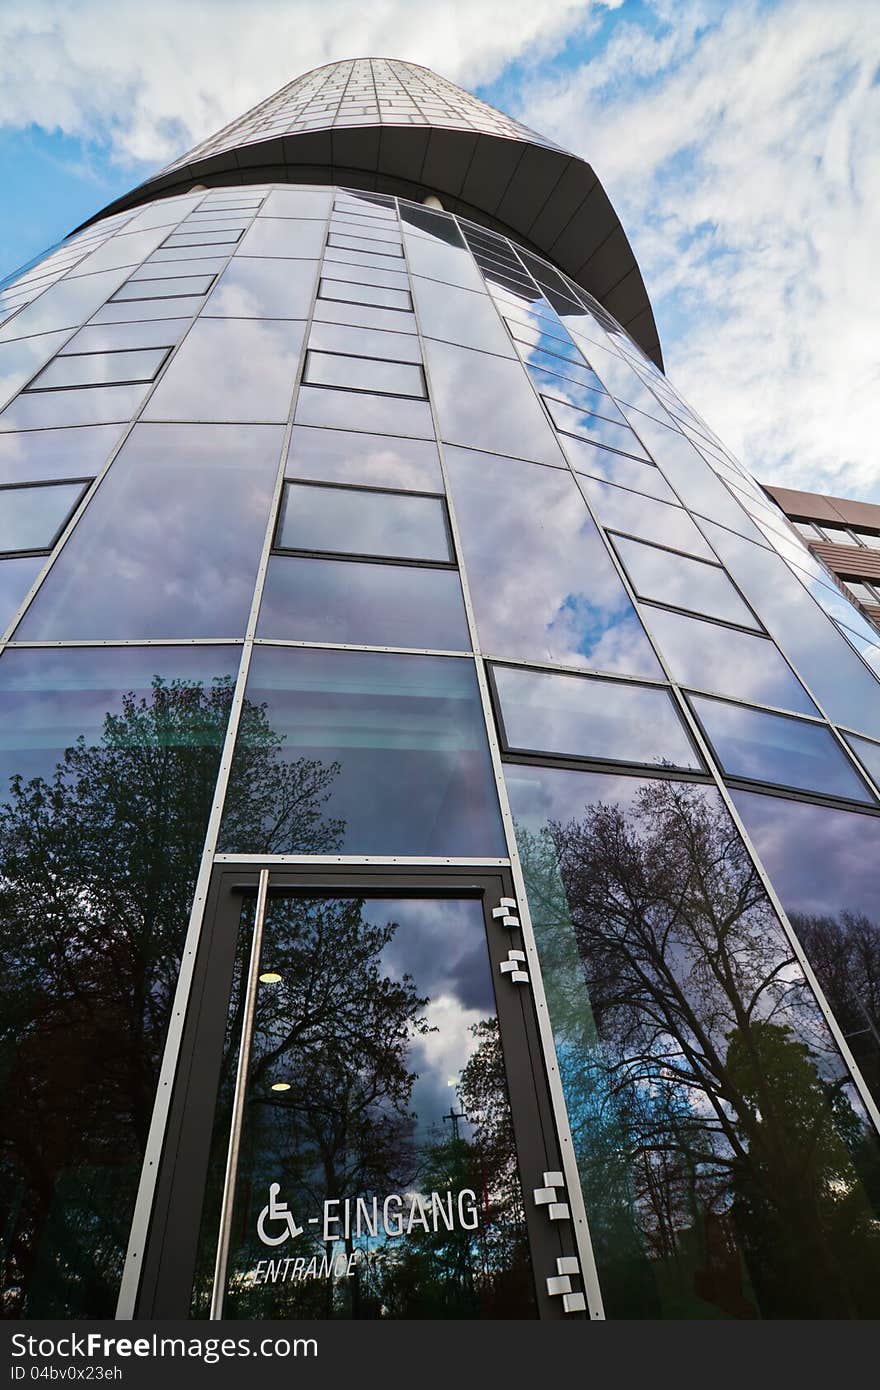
(541, 196)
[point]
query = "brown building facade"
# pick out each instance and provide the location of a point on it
(842, 533)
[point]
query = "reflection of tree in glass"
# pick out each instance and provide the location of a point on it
(337, 1029)
(98, 869)
(719, 1143)
(844, 951)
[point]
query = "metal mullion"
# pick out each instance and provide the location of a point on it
(361, 647)
(130, 642)
(712, 764)
(99, 477)
(238, 1102)
(545, 1032)
(342, 861)
(158, 1120)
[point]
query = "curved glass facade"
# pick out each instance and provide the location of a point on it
(345, 537)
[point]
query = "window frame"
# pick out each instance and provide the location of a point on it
(290, 480)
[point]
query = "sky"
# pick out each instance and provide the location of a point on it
(737, 140)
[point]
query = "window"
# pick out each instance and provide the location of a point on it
(100, 369)
(32, 518)
(379, 246)
(362, 603)
(349, 291)
(680, 582)
(364, 374)
(543, 712)
(164, 289)
(361, 521)
(837, 535)
(774, 748)
(584, 425)
(203, 238)
(869, 539)
(864, 593)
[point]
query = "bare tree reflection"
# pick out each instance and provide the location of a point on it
(720, 1143)
(97, 870)
(844, 951)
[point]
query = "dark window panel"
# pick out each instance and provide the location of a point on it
(100, 368)
(310, 599)
(578, 717)
(169, 544)
(231, 369)
(636, 515)
(773, 748)
(542, 584)
(682, 582)
(364, 374)
(710, 657)
(342, 456)
(376, 754)
(694, 1058)
(358, 522)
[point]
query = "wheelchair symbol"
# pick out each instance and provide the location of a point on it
(277, 1211)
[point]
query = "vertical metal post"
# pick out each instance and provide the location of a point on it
(244, 1057)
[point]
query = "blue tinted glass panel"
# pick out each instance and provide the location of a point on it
(485, 402)
(593, 427)
(343, 456)
(636, 515)
(594, 461)
(358, 522)
(32, 517)
(542, 583)
(743, 664)
(868, 754)
(35, 455)
(231, 369)
(367, 753)
(574, 716)
(170, 542)
(825, 866)
(773, 748)
(682, 582)
(686, 1036)
(110, 757)
(311, 599)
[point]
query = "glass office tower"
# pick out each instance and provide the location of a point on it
(440, 830)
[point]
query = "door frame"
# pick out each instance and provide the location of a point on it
(169, 1255)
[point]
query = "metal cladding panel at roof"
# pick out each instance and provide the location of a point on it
(399, 128)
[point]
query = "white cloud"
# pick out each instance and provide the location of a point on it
(156, 78)
(739, 148)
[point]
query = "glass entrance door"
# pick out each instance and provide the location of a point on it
(380, 1120)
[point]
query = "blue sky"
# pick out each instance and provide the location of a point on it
(736, 141)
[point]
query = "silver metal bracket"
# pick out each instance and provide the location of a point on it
(559, 1285)
(506, 913)
(513, 967)
(548, 1196)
